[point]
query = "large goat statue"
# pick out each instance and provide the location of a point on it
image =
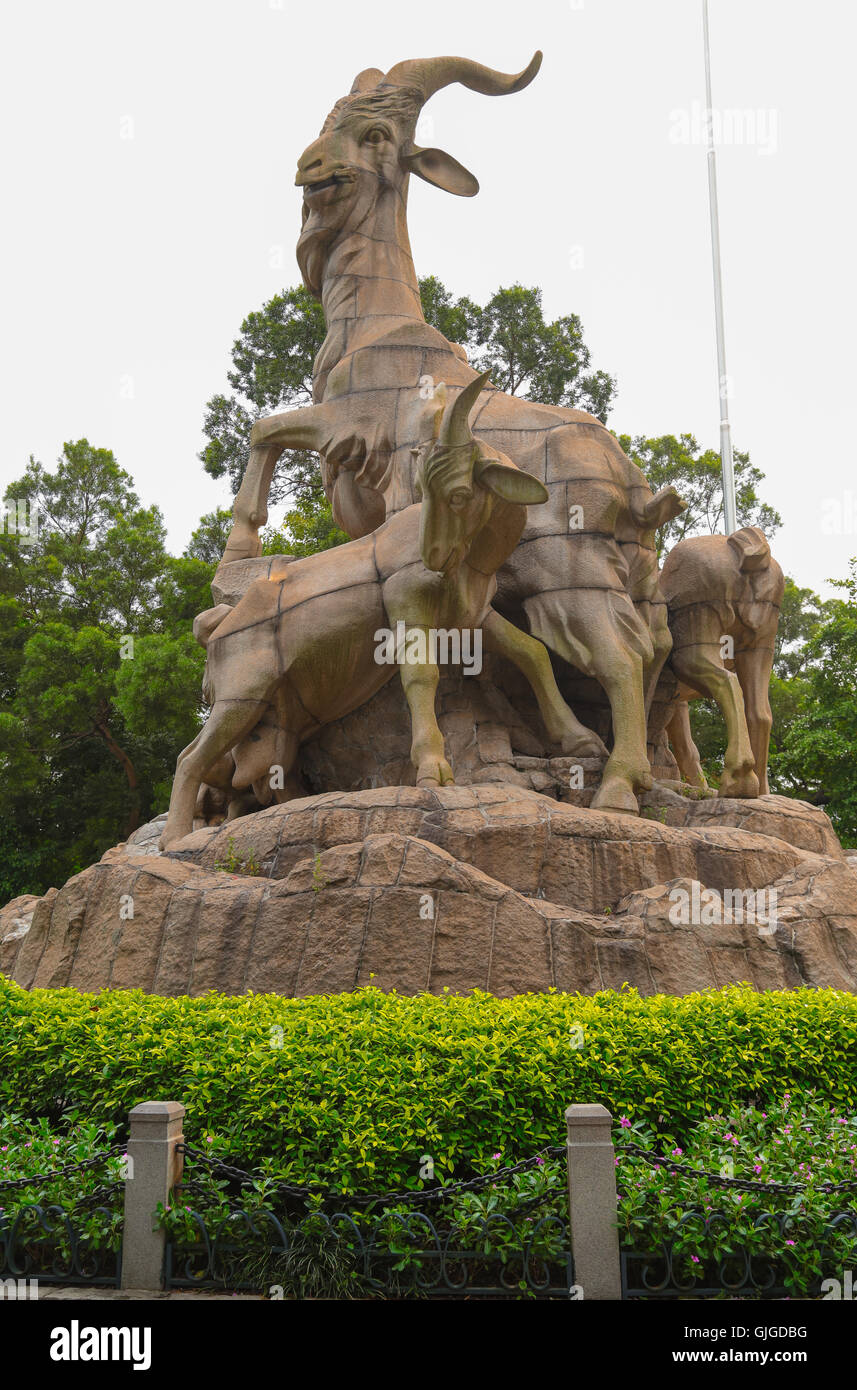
(306, 647)
(568, 580)
(724, 595)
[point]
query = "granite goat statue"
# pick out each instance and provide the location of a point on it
(306, 647)
(724, 595)
(569, 579)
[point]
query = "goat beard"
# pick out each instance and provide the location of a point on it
(313, 246)
(324, 227)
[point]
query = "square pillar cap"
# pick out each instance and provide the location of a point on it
(587, 1114)
(157, 1113)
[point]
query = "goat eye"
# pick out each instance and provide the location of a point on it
(458, 500)
(375, 136)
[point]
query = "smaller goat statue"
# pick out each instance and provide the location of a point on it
(724, 595)
(298, 653)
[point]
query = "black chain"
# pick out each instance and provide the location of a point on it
(434, 1194)
(105, 1193)
(12, 1183)
(721, 1180)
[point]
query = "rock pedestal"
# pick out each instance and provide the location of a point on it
(492, 887)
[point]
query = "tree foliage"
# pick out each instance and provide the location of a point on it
(815, 710)
(271, 370)
(99, 676)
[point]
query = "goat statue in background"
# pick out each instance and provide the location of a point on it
(724, 595)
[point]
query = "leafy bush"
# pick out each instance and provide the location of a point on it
(352, 1090)
(91, 1196)
(799, 1140)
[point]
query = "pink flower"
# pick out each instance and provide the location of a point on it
(695, 1259)
(677, 1153)
(624, 1122)
(789, 1242)
(496, 1155)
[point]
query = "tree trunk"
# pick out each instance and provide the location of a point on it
(122, 757)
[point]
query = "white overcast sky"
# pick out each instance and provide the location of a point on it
(128, 263)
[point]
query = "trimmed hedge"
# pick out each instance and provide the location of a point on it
(352, 1089)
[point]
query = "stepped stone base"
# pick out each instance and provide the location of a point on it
(492, 887)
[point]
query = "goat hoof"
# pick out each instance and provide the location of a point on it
(583, 743)
(743, 784)
(435, 774)
(170, 836)
(615, 794)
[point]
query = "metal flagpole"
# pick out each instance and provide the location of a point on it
(729, 517)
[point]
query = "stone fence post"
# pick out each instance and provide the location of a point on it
(154, 1168)
(592, 1202)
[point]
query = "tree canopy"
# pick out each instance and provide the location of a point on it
(99, 676)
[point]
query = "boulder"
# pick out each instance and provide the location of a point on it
(492, 886)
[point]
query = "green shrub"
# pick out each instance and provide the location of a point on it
(801, 1140)
(352, 1090)
(92, 1195)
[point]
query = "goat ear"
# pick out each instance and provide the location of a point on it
(439, 168)
(511, 484)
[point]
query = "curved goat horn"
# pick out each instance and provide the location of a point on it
(455, 429)
(430, 74)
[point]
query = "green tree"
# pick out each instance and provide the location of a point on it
(99, 553)
(65, 695)
(815, 754)
(456, 319)
(547, 362)
(802, 615)
(99, 675)
(271, 370)
(208, 541)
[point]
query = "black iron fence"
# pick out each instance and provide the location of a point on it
(753, 1270)
(78, 1243)
(418, 1244)
(503, 1234)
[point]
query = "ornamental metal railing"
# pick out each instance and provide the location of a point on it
(756, 1269)
(77, 1243)
(402, 1244)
